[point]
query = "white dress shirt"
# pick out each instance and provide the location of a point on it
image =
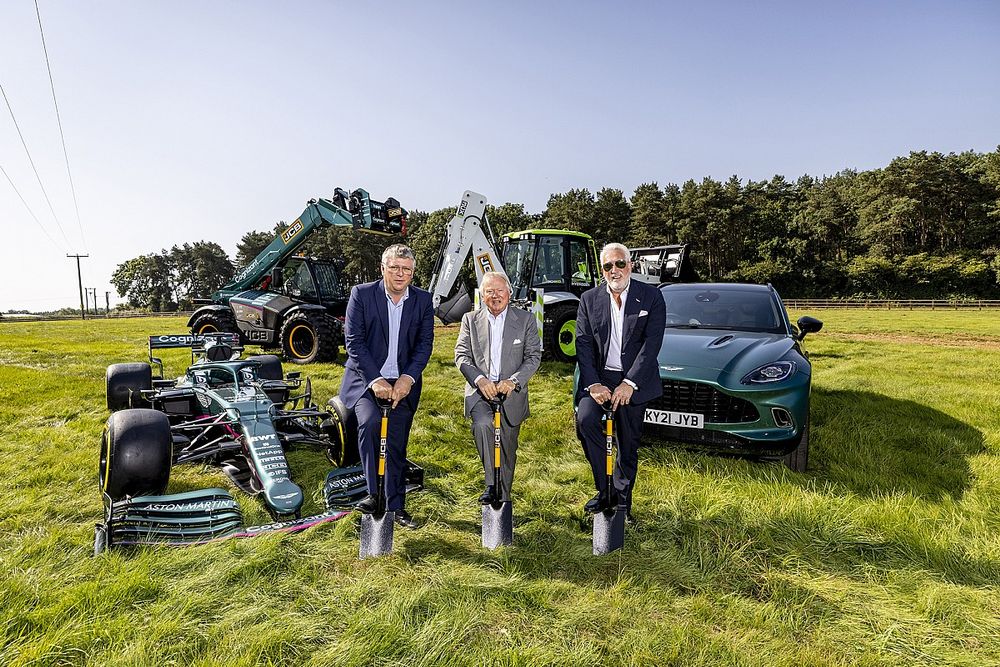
(496, 325)
(496, 342)
(614, 360)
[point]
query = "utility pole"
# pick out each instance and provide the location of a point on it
(93, 291)
(79, 280)
(107, 304)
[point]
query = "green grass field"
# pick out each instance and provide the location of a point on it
(886, 552)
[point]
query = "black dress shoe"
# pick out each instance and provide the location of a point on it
(487, 496)
(404, 519)
(596, 504)
(369, 505)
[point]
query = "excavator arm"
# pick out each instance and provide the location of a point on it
(467, 233)
(355, 209)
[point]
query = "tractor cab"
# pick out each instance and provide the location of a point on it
(552, 260)
(309, 280)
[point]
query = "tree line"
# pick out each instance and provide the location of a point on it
(927, 225)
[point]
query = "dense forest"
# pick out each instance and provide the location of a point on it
(925, 226)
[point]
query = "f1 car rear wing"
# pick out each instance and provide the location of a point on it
(220, 346)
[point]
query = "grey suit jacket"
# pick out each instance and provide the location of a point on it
(521, 353)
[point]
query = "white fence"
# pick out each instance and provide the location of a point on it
(894, 304)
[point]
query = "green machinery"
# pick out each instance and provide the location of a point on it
(296, 303)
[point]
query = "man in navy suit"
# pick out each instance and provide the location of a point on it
(389, 332)
(619, 330)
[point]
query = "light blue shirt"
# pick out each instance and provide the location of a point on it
(496, 342)
(390, 369)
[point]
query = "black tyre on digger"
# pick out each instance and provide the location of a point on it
(560, 332)
(216, 321)
(308, 336)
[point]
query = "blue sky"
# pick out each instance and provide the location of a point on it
(191, 121)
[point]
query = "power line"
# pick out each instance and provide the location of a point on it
(32, 213)
(28, 153)
(52, 85)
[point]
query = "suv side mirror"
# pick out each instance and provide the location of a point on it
(808, 325)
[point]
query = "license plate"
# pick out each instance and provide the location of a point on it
(668, 418)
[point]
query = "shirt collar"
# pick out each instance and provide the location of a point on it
(406, 295)
(607, 287)
(497, 318)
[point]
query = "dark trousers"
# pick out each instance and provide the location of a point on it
(369, 435)
(482, 431)
(628, 430)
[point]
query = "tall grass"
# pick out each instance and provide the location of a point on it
(885, 552)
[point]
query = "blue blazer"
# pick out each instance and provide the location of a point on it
(642, 335)
(366, 330)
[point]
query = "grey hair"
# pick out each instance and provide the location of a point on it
(615, 246)
(398, 250)
(495, 275)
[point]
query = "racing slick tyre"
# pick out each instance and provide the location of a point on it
(216, 321)
(798, 458)
(135, 454)
(560, 332)
(342, 428)
(124, 382)
(308, 336)
(270, 367)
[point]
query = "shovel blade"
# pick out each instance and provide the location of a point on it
(498, 525)
(609, 531)
(376, 534)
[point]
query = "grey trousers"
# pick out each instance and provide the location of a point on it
(482, 431)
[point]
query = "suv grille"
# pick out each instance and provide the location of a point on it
(718, 408)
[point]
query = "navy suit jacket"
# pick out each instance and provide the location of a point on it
(366, 330)
(642, 335)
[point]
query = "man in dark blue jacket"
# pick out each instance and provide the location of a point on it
(389, 331)
(619, 330)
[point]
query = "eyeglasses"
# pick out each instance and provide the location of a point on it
(618, 263)
(395, 268)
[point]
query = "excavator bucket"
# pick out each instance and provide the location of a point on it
(451, 311)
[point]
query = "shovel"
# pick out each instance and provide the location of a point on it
(609, 523)
(377, 527)
(498, 516)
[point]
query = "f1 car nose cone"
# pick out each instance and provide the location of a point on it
(284, 496)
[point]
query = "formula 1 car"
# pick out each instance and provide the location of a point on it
(238, 414)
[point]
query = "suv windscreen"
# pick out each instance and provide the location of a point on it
(717, 307)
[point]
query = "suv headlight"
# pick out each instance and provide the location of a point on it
(773, 372)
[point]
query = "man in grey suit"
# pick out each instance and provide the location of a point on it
(497, 351)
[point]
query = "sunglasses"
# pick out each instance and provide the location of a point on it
(618, 264)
